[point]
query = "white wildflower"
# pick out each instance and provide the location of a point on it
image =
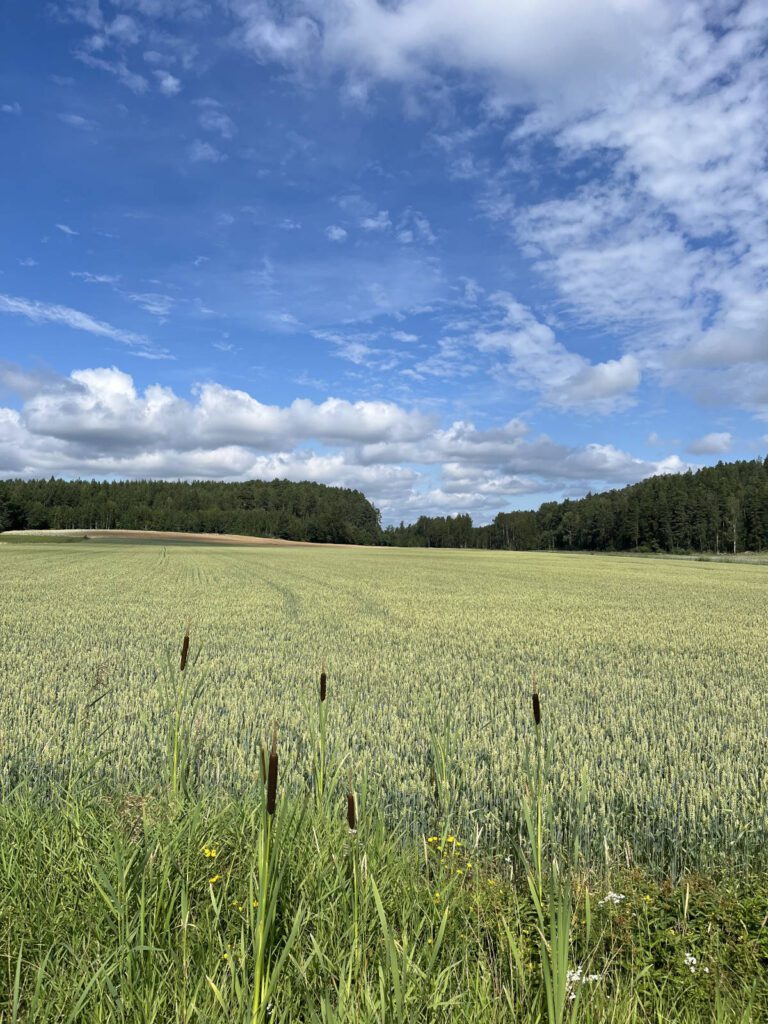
(612, 897)
(578, 977)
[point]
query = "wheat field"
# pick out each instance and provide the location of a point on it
(652, 674)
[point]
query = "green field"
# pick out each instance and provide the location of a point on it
(654, 692)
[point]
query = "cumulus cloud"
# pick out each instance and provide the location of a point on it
(168, 84)
(97, 422)
(525, 51)
(334, 233)
(711, 444)
(377, 222)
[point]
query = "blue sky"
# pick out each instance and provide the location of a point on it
(465, 257)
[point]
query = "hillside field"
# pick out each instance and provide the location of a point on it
(653, 684)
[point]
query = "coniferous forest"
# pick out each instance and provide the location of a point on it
(278, 508)
(722, 509)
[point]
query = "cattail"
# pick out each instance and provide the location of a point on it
(536, 708)
(323, 684)
(272, 776)
(184, 651)
(351, 812)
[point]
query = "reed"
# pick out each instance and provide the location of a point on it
(184, 651)
(351, 811)
(272, 776)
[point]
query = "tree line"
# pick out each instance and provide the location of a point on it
(257, 508)
(722, 508)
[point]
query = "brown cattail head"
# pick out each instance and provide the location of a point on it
(272, 776)
(323, 684)
(184, 651)
(536, 708)
(351, 812)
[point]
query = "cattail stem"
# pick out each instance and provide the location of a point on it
(272, 776)
(321, 757)
(351, 812)
(184, 651)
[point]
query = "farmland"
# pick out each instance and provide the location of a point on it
(652, 682)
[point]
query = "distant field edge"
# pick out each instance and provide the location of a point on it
(162, 537)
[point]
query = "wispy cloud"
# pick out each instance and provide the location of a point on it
(89, 278)
(77, 121)
(204, 152)
(67, 230)
(153, 302)
(44, 312)
(130, 79)
(213, 118)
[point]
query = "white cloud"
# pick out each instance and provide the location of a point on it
(537, 360)
(27, 261)
(213, 118)
(667, 246)
(102, 406)
(334, 233)
(711, 444)
(168, 84)
(413, 226)
(77, 121)
(663, 245)
(97, 422)
(378, 222)
(204, 152)
(153, 302)
(130, 79)
(269, 38)
(67, 230)
(524, 51)
(123, 29)
(11, 108)
(43, 312)
(89, 278)
(86, 11)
